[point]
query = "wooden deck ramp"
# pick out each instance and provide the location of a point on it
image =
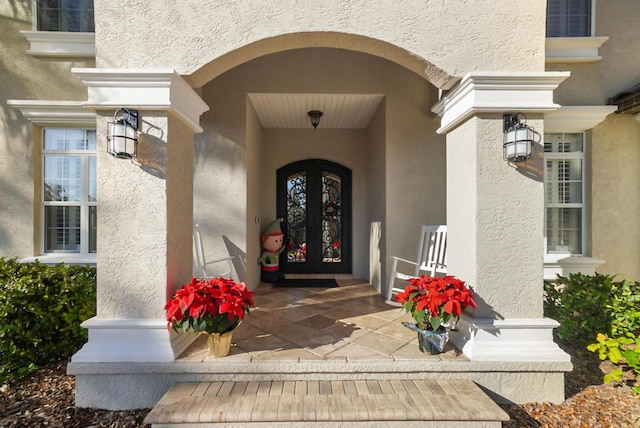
(366, 403)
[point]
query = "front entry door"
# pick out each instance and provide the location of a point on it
(314, 198)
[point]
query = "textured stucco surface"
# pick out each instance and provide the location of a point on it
(206, 30)
(496, 251)
(615, 206)
(145, 222)
(27, 78)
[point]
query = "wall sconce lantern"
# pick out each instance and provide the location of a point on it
(518, 138)
(122, 134)
(315, 117)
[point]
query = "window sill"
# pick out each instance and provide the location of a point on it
(61, 45)
(573, 49)
(67, 258)
(560, 264)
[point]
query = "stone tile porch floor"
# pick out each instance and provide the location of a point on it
(350, 322)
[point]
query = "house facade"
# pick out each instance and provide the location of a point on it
(413, 96)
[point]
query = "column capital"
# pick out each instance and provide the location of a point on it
(143, 89)
(498, 92)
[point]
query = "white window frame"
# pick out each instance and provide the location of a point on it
(84, 203)
(581, 205)
(60, 45)
(576, 49)
(57, 114)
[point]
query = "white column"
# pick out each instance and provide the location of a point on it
(495, 216)
(145, 212)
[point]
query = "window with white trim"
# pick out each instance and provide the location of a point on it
(564, 193)
(69, 191)
(65, 15)
(569, 18)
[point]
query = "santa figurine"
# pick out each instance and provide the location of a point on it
(272, 240)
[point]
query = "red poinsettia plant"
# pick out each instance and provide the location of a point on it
(434, 301)
(214, 305)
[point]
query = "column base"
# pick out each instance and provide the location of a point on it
(484, 339)
(131, 340)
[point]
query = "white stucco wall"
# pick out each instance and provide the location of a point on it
(206, 30)
(23, 77)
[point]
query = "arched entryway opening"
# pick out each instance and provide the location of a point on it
(377, 123)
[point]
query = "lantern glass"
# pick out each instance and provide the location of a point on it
(122, 140)
(517, 144)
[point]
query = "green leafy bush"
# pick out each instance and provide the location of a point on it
(41, 308)
(579, 303)
(624, 352)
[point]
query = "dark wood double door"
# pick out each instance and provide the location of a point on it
(314, 199)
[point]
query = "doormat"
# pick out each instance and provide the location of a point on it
(312, 282)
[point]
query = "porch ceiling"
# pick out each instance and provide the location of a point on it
(340, 111)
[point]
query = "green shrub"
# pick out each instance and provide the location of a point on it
(579, 303)
(41, 308)
(624, 352)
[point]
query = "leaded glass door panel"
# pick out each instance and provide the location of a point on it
(314, 198)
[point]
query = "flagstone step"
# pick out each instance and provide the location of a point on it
(370, 403)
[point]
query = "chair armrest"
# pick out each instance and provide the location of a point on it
(400, 259)
(223, 259)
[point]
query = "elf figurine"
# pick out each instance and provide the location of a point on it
(273, 245)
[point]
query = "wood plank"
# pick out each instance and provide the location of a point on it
(349, 387)
(297, 408)
(284, 407)
(398, 386)
(225, 389)
(333, 405)
(313, 387)
(288, 388)
(246, 407)
(309, 408)
(422, 387)
(252, 388)
(194, 408)
(392, 407)
(264, 388)
(361, 387)
(325, 387)
(301, 387)
(374, 387)
(386, 387)
(239, 388)
(214, 387)
(353, 408)
(447, 387)
(201, 389)
(276, 387)
(337, 387)
(322, 408)
(410, 387)
(434, 387)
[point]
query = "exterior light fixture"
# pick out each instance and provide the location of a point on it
(315, 117)
(518, 138)
(122, 134)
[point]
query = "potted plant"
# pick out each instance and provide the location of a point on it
(213, 306)
(434, 302)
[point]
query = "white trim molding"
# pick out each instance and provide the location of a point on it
(558, 264)
(576, 118)
(55, 113)
(484, 339)
(61, 45)
(131, 340)
(143, 89)
(573, 49)
(498, 92)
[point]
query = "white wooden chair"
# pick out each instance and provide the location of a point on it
(431, 260)
(200, 263)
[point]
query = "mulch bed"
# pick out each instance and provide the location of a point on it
(46, 399)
